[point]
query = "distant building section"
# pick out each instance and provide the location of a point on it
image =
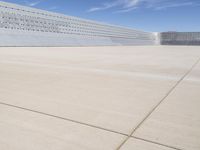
(24, 26)
(180, 38)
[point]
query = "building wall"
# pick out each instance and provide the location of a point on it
(180, 38)
(24, 26)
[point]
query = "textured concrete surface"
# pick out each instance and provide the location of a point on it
(133, 144)
(98, 97)
(22, 130)
(177, 121)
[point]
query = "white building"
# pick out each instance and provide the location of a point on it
(24, 26)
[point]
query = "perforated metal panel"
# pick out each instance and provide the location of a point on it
(180, 38)
(24, 26)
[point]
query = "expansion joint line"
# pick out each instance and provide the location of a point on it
(62, 118)
(162, 100)
(156, 143)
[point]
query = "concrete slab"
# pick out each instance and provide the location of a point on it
(177, 121)
(22, 130)
(134, 144)
(109, 87)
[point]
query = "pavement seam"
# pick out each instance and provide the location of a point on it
(156, 106)
(62, 118)
(85, 124)
(157, 143)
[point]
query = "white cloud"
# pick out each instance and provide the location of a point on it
(107, 5)
(122, 6)
(130, 3)
(174, 5)
(33, 3)
(125, 10)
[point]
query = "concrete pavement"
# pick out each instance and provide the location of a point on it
(137, 97)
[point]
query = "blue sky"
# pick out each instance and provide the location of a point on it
(148, 15)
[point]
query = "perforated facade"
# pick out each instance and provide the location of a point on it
(180, 38)
(24, 26)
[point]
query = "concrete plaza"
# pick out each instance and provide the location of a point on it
(100, 98)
